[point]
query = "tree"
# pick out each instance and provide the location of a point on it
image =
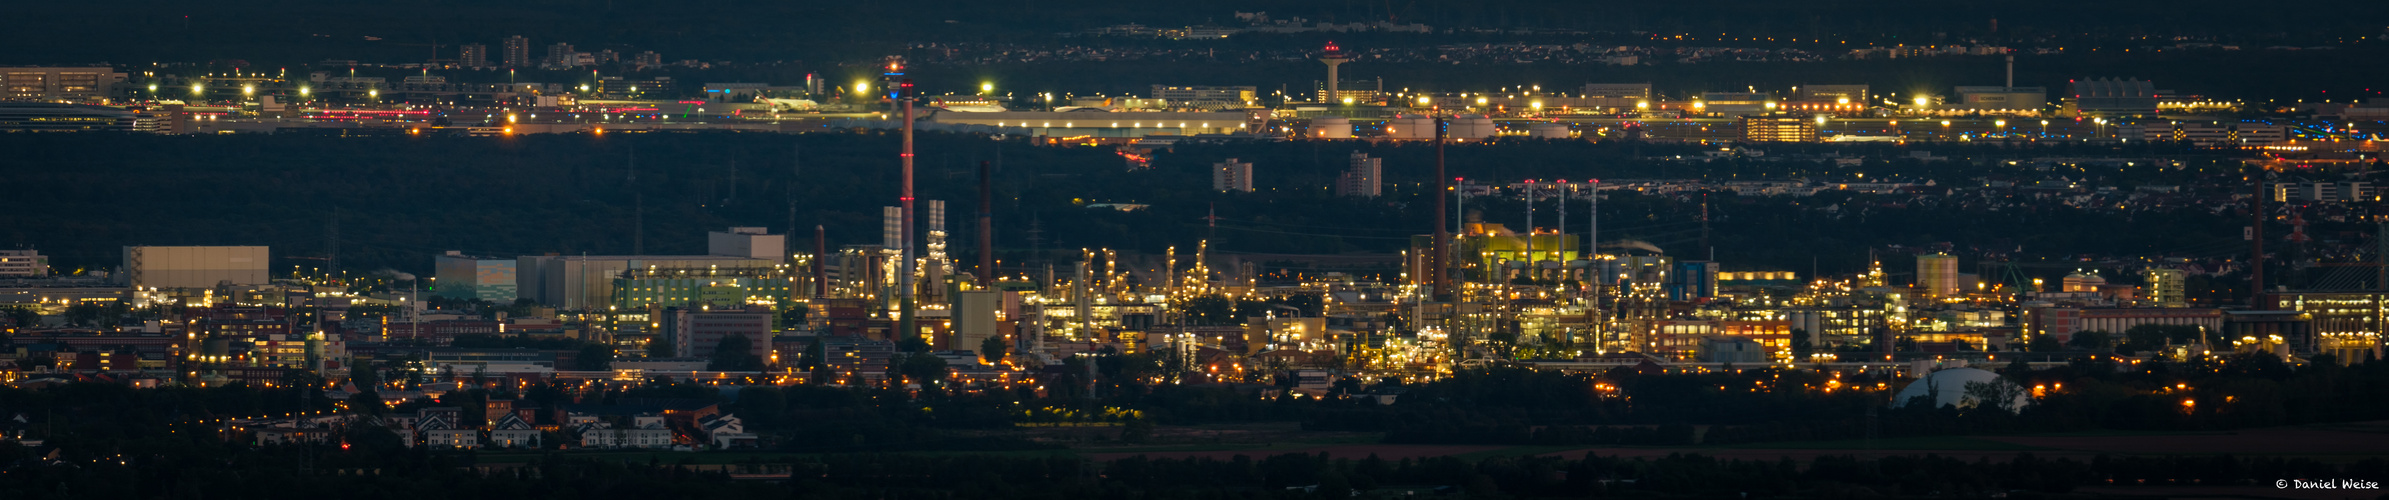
(922, 368)
(1211, 310)
(2091, 340)
(1800, 343)
(1502, 342)
(364, 377)
(2151, 337)
(814, 355)
(658, 347)
(793, 316)
(912, 343)
(2044, 343)
(734, 354)
(1996, 393)
(594, 357)
(993, 349)
(84, 314)
(24, 317)
(2017, 370)
(367, 402)
(761, 402)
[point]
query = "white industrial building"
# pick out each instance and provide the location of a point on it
(748, 242)
(25, 264)
(195, 267)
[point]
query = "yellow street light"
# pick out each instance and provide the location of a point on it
(1922, 101)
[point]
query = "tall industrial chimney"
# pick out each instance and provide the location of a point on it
(2011, 71)
(821, 275)
(986, 228)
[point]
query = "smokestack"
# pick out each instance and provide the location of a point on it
(1440, 281)
(986, 228)
(821, 275)
(2011, 70)
(2256, 240)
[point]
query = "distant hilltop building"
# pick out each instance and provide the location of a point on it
(2113, 96)
(195, 267)
(29, 263)
(1364, 178)
(473, 55)
(2012, 99)
(1617, 95)
(1204, 96)
(57, 83)
(518, 52)
(1232, 175)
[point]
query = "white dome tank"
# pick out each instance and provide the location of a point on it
(1410, 127)
(1472, 127)
(1331, 127)
(1547, 130)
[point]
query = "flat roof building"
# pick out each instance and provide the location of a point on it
(583, 282)
(1778, 129)
(1617, 95)
(1736, 103)
(1205, 96)
(748, 242)
(468, 277)
(195, 266)
(2113, 95)
(55, 117)
(23, 264)
(57, 84)
(2008, 99)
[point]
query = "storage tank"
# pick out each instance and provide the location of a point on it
(1331, 127)
(1547, 130)
(1410, 127)
(1472, 127)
